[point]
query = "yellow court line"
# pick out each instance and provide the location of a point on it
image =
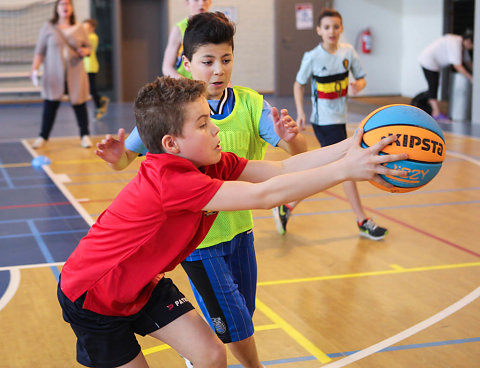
(163, 347)
(397, 270)
(6, 166)
(293, 333)
(156, 349)
(271, 326)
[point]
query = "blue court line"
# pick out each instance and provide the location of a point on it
(43, 247)
(6, 176)
(391, 348)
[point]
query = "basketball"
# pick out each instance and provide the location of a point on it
(418, 135)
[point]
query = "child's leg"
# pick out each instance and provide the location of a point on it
(353, 197)
(246, 352)
(226, 281)
(191, 337)
(93, 89)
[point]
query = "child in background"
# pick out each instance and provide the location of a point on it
(92, 67)
(113, 286)
(328, 66)
(172, 59)
(246, 123)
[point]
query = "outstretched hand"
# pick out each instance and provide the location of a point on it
(283, 124)
(111, 149)
(367, 164)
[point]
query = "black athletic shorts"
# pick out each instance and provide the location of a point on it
(108, 341)
(330, 134)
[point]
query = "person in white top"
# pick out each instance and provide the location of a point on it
(447, 50)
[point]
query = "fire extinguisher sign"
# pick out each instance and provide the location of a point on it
(304, 16)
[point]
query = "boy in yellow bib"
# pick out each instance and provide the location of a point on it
(223, 269)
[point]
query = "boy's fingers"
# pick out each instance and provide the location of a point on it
(357, 138)
(275, 114)
(390, 158)
(121, 134)
(384, 142)
(391, 172)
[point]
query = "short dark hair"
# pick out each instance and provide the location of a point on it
(93, 23)
(205, 28)
(160, 108)
(326, 12)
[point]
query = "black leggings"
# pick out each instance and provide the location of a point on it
(432, 80)
(50, 112)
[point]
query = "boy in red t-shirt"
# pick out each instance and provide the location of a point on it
(113, 284)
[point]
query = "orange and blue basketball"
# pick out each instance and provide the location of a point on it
(418, 135)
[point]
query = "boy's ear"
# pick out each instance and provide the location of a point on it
(169, 144)
(186, 63)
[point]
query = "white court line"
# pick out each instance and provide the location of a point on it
(55, 178)
(11, 289)
(407, 333)
(420, 326)
(464, 157)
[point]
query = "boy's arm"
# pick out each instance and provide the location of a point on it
(298, 93)
(287, 129)
(358, 85)
(114, 152)
(171, 52)
(301, 176)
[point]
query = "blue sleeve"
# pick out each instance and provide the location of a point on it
(265, 127)
(134, 143)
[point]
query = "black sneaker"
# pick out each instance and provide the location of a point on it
(281, 214)
(371, 230)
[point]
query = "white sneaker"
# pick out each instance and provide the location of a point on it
(188, 363)
(39, 142)
(86, 142)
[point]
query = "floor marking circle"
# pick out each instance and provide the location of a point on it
(11, 289)
(408, 332)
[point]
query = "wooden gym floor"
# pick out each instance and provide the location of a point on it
(326, 297)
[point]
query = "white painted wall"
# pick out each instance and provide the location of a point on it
(400, 29)
(421, 25)
(254, 45)
(383, 18)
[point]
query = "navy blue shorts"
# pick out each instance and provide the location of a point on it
(108, 341)
(330, 134)
(224, 282)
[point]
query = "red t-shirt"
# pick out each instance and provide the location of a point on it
(155, 222)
